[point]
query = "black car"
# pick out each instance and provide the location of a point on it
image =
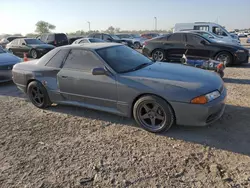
(173, 46)
(111, 38)
(56, 39)
(33, 47)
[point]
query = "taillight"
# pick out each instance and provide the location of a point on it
(55, 42)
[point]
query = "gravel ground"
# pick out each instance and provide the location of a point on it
(65, 146)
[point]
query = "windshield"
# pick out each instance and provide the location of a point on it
(96, 40)
(33, 41)
(115, 37)
(122, 58)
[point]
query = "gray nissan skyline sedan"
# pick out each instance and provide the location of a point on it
(117, 79)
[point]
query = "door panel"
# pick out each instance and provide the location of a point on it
(83, 87)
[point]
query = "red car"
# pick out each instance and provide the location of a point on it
(149, 35)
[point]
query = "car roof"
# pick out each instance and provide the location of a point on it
(93, 46)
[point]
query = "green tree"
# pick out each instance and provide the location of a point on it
(44, 27)
(111, 30)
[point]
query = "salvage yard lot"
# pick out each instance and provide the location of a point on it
(66, 146)
(62, 146)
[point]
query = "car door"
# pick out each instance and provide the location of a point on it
(77, 84)
(14, 46)
(23, 46)
(195, 48)
(174, 46)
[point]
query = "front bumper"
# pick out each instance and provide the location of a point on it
(241, 57)
(188, 114)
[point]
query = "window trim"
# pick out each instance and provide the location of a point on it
(54, 56)
(80, 70)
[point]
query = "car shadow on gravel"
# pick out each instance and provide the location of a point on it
(10, 89)
(231, 132)
(236, 81)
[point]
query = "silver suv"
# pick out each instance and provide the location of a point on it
(136, 39)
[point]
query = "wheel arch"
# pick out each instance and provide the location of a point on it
(226, 52)
(147, 94)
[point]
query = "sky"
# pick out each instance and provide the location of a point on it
(20, 16)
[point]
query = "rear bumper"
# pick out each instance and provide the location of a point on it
(199, 115)
(146, 52)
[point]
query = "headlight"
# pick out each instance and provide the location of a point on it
(206, 98)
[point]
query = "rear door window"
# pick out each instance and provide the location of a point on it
(98, 36)
(58, 59)
(61, 37)
(177, 37)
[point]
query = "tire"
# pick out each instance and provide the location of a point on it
(34, 54)
(137, 45)
(158, 55)
(225, 56)
(35, 91)
(153, 114)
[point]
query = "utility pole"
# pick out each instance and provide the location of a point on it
(155, 23)
(89, 25)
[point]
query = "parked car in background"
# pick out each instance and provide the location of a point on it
(173, 46)
(55, 39)
(117, 79)
(248, 40)
(73, 39)
(7, 61)
(87, 40)
(215, 37)
(242, 35)
(5, 41)
(149, 35)
(33, 47)
(136, 39)
(110, 38)
(205, 26)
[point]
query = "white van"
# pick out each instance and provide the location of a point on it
(206, 26)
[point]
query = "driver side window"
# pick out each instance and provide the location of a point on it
(82, 60)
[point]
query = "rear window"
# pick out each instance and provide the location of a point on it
(61, 37)
(58, 59)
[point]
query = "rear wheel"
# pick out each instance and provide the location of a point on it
(158, 55)
(137, 45)
(38, 94)
(34, 54)
(153, 114)
(225, 57)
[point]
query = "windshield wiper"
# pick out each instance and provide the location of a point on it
(137, 68)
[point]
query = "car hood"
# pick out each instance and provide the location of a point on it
(41, 46)
(8, 58)
(178, 75)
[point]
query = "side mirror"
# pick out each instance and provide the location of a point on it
(99, 71)
(203, 42)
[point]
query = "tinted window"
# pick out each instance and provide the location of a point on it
(44, 59)
(82, 60)
(96, 40)
(194, 39)
(175, 37)
(57, 60)
(122, 58)
(106, 37)
(33, 41)
(99, 36)
(61, 37)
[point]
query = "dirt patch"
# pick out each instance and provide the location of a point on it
(73, 147)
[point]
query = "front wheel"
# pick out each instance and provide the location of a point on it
(153, 114)
(224, 57)
(38, 94)
(158, 55)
